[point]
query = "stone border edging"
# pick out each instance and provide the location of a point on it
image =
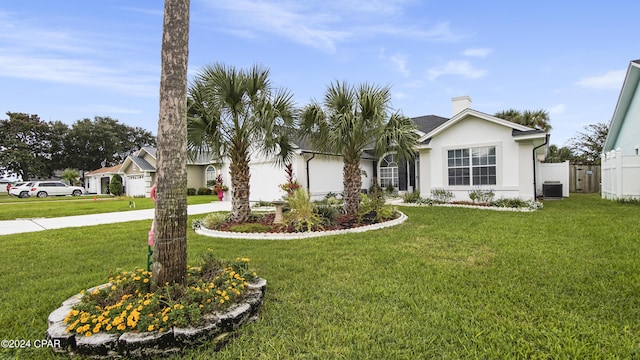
(147, 344)
(302, 235)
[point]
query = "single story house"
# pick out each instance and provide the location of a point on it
(471, 150)
(138, 173)
(621, 151)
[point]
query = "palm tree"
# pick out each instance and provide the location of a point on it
(538, 119)
(170, 247)
(352, 120)
(233, 112)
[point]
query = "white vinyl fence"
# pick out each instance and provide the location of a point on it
(620, 175)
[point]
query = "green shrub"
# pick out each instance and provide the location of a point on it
(373, 208)
(413, 197)
(191, 191)
(214, 220)
(301, 214)
(262, 203)
(481, 196)
(204, 191)
(328, 213)
(441, 195)
(115, 185)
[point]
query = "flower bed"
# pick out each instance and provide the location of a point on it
(123, 318)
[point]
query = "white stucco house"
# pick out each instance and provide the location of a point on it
(475, 150)
(138, 173)
(468, 151)
(621, 151)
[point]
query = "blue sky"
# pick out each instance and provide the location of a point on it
(70, 60)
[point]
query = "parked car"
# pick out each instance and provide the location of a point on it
(20, 189)
(42, 189)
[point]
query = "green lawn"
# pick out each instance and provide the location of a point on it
(12, 208)
(450, 283)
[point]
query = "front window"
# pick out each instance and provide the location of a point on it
(389, 171)
(210, 175)
(473, 166)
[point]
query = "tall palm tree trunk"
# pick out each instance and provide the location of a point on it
(352, 183)
(240, 176)
(170, 247)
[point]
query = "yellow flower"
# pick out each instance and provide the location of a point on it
(109, 327)
(165, 318)
(145, 280)
(88, 333)
(150, 328)
(121, 327)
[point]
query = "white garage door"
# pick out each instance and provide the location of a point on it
(135, 185)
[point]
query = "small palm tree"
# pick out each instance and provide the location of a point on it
(352, 120)
(538, 119)
(233, 112)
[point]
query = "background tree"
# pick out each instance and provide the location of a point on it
(233, 112)
(170, 246)
(538, 119)
(25, 146)
(71, 176)
(556, 155)
(115, 185)
(351, 120)
(102, 142)
(588, 144)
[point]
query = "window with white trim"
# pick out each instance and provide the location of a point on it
(389, 171)
(210, 174)
(472, 166)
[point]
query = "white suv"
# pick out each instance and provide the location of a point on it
(42, 189)
(20, 189)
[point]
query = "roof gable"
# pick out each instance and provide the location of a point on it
(517, 130)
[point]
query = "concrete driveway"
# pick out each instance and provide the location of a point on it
(39, 224)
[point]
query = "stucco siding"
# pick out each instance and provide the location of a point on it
(195, 176)
(514, 171)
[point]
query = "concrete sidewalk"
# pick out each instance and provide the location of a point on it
(30, 225)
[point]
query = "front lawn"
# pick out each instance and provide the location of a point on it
(12, 208)
(452, 283)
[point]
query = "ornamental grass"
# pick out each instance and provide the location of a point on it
(125, 303)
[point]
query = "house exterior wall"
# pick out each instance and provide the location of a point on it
(628, 139)
(514, 163)
(196, 176)
(92, 184)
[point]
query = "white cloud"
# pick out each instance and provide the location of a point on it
(558, 109)
(609, 80)
(400, 62)
(321, 25)
(477, 52)
(460, 68)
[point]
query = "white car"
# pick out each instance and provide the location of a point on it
(20, 189)
(42, 189)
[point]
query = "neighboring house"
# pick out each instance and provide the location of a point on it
(138, 173)
(621, 151)
(97, 181)
(471, 150)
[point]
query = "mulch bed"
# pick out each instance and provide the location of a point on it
(341, 223)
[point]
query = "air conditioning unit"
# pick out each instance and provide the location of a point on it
(552, 190)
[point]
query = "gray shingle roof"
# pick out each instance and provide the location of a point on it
(142, 164)
(428, 123)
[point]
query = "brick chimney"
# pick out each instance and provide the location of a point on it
(460, 103)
